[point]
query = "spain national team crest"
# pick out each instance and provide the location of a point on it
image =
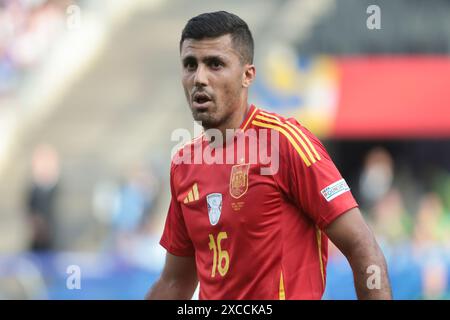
(214, 201)
(239, 180)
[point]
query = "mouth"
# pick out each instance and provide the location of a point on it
(201, 101)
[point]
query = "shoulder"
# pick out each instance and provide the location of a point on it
(271, 120)
(294, 138)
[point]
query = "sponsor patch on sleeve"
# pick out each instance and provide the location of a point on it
(334, 190)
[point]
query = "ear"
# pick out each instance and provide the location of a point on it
(249, 75)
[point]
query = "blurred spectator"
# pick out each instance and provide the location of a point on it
(390, 220)
(435, 278)
(41, 197)
(441, 186)
(134, 203)
(377, 175)
(28, 30)
(432, 225)
(135, 198)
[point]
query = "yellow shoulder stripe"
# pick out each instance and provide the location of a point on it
(311, 157)
(308, 141)
(287, 135)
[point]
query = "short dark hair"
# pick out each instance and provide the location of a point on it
(219, 23)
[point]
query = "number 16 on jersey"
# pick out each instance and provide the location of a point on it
(221, 258)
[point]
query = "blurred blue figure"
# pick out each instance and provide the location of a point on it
(133, 205)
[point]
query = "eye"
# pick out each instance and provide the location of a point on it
(190, 65)
(216, 64)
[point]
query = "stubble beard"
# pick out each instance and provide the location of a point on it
(211, 119)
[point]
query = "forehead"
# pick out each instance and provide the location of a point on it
(220, 46)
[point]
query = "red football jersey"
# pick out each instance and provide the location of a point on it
(257, 236)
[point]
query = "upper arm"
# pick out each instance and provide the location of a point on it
(353, 237)
(179, 269)
(349, 232)
(178, 279)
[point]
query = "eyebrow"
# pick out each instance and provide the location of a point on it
(190, 58)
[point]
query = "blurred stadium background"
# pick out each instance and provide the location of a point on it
(90, 93)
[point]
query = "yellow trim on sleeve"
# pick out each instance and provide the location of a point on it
(308, 141)
(311, 157)
(319, 246)
(281, 292)
(270, 115)
(287, 135)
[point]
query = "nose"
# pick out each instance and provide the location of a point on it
(201, 77)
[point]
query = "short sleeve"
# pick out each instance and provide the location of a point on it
(175, 238)
(308, 176)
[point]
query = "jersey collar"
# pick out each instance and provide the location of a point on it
(249, 117)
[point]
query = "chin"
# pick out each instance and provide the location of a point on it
(206, 120)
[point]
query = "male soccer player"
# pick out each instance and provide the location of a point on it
(240, 233)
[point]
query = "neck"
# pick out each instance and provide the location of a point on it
(235, 120)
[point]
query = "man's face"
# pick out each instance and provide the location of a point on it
(213, 78)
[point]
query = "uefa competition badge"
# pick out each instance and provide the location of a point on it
(214, 201)
(334, 190)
